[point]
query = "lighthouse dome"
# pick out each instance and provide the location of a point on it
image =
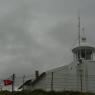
(83, 50)
(83, 44)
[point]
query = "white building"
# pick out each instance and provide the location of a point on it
(79, 75)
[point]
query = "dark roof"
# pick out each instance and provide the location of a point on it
(38, 79)
(29, 82)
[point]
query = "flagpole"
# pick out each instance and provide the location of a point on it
(13, 79)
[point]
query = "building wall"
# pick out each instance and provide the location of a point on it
(91, 76)
(70, 78)
(46, 82)
(63, 79)
(40, 85)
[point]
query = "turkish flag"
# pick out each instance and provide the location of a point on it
(8, 82)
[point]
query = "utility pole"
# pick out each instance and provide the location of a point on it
(13, 79)
(81, 79)
(52, 82)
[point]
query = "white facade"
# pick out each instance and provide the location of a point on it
(77, 76)
(69, 78)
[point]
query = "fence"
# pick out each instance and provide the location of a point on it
(55, 81)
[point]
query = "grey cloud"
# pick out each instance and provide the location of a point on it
(38, 34)
(63, 7)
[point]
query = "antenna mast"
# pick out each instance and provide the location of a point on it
(80, 61)
(84, 34)
(79, 28)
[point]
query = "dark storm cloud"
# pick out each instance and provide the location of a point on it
(39, 34)
(15, 41)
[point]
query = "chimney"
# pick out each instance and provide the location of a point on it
(36, 74)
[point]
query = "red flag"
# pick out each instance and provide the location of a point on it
(8, 82)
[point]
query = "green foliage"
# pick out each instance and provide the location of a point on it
(4, 93)
(41, 92)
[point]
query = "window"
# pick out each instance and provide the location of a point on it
(84, 53)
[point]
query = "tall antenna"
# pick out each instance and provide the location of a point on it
(80, 61)
(84, 34)
(79, 28)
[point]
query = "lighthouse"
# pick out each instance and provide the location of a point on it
(78, 75)
(83, 55)
(85, 64)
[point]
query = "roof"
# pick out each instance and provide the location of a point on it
(82, 45)
(57, 69)
(29, 82)
(38, 79)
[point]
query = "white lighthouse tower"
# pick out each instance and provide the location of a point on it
(85, 64)
(85, 68)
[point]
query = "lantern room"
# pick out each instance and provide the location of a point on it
(83, 51)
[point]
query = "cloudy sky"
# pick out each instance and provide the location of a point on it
(39, 34)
